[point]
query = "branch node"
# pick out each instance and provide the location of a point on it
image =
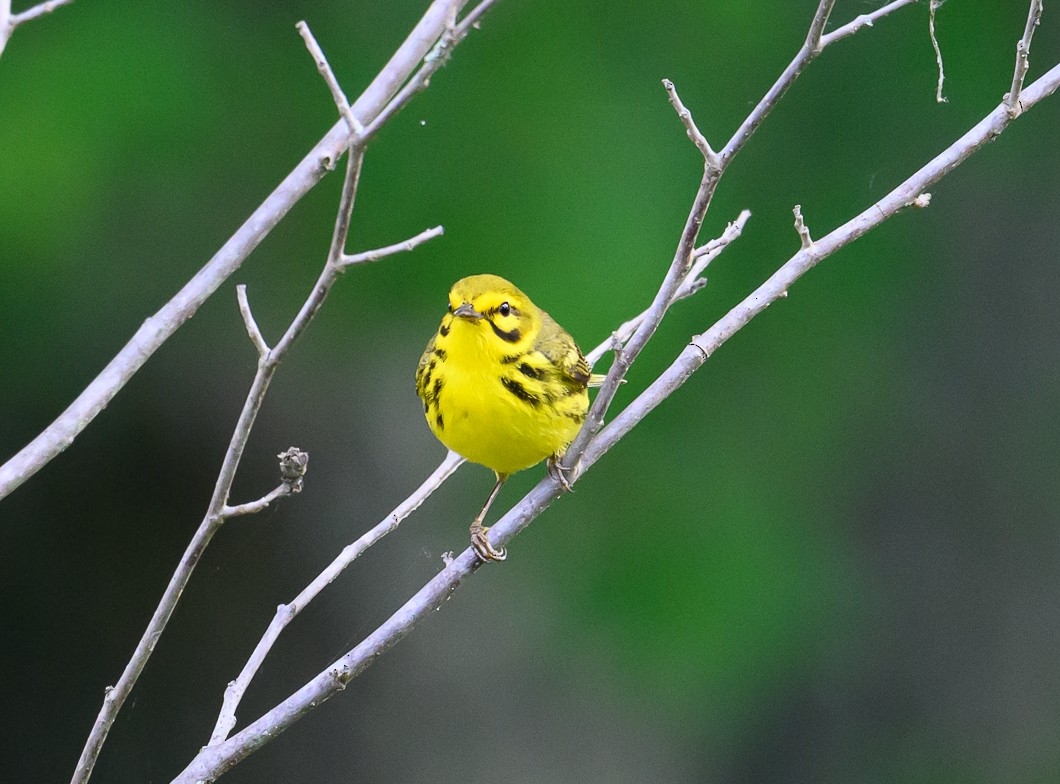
(800, 228)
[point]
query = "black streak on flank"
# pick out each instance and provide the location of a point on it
(444, 330)
(438, 420)
(531, 372)
(577, 417)
(436, 390)
(511, 358)
(510, 337)
(520, 392)
(440, 353)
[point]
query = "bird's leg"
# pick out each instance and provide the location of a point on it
(479, 540)
(558, 472)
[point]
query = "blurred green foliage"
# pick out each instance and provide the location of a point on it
(831, 556)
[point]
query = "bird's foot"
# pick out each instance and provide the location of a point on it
(559, 473)
(480, 541)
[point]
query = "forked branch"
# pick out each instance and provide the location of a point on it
(10, 21)
(268, 362)
(387, 93)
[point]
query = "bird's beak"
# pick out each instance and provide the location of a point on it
(467, 311)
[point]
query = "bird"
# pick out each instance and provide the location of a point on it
(502, 385)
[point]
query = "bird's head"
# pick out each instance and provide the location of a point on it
(492, 314)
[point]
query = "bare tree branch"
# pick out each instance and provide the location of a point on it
(713, 169)
(218, 509)
(286, 613)
(9, 21)
(59, 435)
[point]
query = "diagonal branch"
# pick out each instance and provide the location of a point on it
(218, 509)
(286, 613)
(60, 434)
(214, 760)
(713, 168)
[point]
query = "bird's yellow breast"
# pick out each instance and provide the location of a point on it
(493, 413)
(505, 391)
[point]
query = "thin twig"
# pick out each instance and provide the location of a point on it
(248, 319)
(60, 434)
(691, 128)
(329, 78)
(934, 6)
(214, 760)
(865, 20)
(9, 21)
(1023, 64)
(400, 247)
(282, 490)
(285, 613)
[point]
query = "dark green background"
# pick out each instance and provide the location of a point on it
(831, 556)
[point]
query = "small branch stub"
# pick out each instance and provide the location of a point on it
(800, 228)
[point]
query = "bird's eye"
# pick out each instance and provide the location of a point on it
(505, 309)
(449, 307)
